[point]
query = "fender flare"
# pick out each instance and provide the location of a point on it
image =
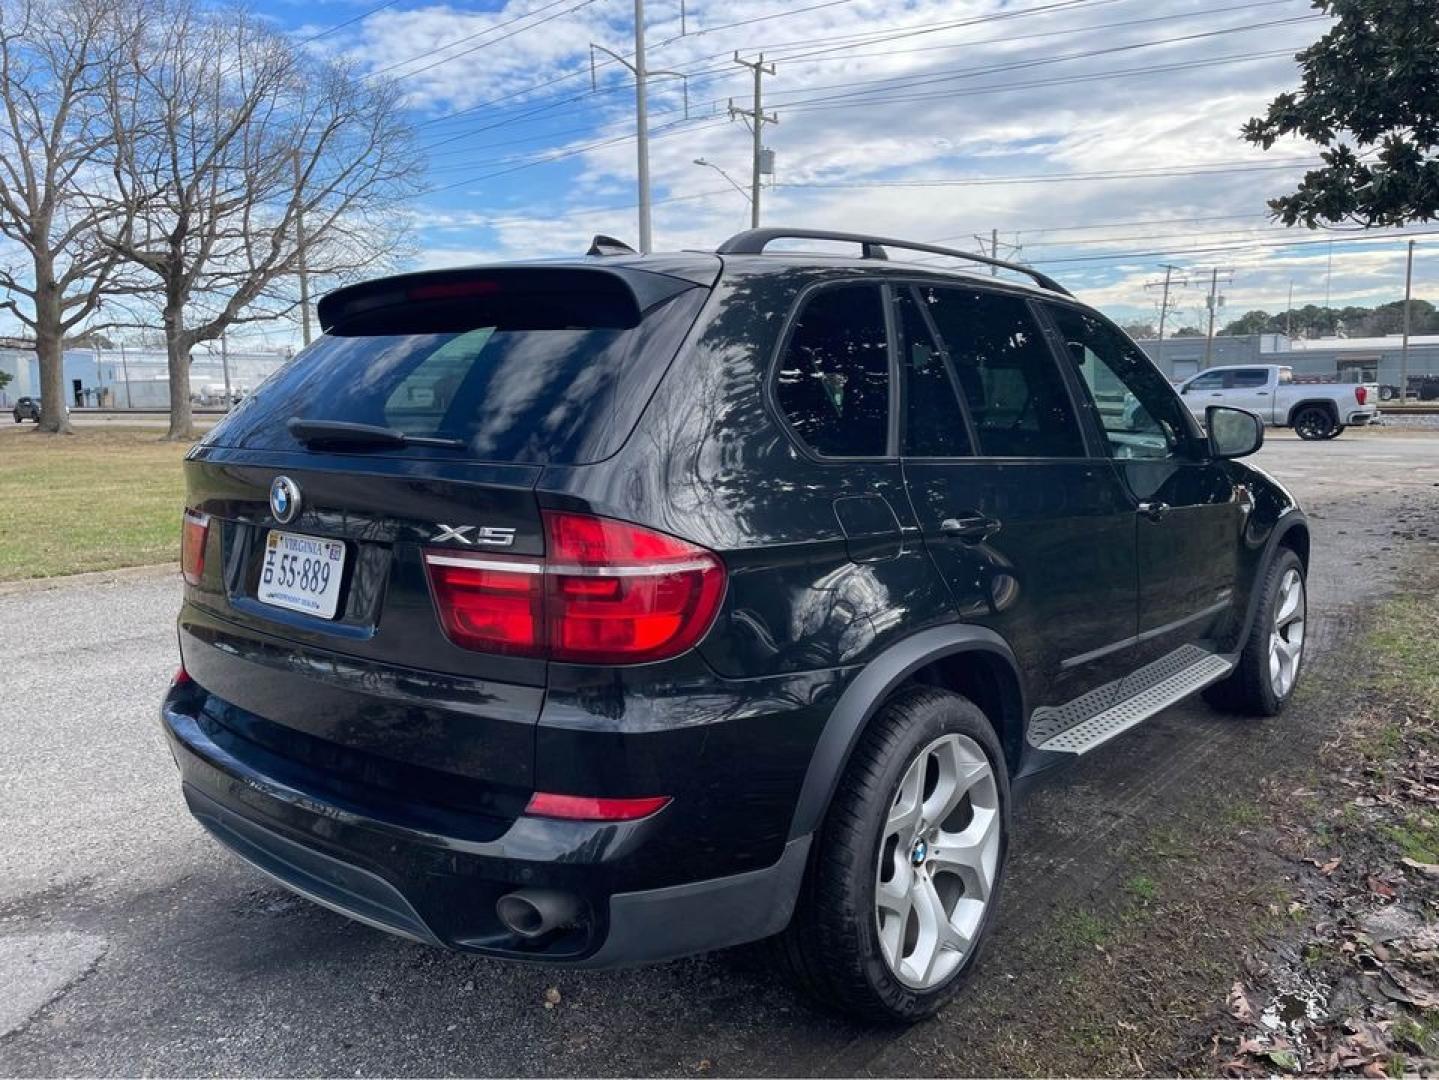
(1283, 527)
(863, 697)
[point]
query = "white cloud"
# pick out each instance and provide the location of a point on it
(952, 117)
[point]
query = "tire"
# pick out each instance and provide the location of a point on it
(1338, 431)
(1253, 689)
(1386, 393)
(833, 948)
(1314, 422)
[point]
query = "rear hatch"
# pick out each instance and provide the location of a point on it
(420, 423)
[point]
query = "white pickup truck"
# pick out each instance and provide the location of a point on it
(1315, 410)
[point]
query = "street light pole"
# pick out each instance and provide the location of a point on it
(1404, 350)
(732, 181)
(642, 128)
(642, 120)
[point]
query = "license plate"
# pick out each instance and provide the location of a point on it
(302, 573)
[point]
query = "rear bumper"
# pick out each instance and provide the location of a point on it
(441, 888)
(1360, 417)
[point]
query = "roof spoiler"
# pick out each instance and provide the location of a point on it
(484, 285)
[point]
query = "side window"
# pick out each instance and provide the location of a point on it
(1141, 416)
(1213, 380)
(1286, 376)
(933, 423)
(1012, 387)
(1249, 378)
(833, 383)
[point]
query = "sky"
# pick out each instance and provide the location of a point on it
(1100, 137)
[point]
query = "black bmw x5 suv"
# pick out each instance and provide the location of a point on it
(603, 611)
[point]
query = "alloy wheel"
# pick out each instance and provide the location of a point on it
(1286, 640)
(937, 861)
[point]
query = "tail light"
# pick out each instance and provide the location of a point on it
(194, 530)
(607, 592)
(591, 808)
(1361, 394)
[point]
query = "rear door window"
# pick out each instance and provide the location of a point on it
(1250, 378)
(529, 378)
(833, 381)
(1015, 393)
(934, 424)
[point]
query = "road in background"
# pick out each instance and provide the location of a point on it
(171, 957)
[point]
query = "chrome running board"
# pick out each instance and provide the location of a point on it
(1080, 725)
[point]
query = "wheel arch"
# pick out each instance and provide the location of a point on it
(1291, 533)
(972, 660)
(1319, 403)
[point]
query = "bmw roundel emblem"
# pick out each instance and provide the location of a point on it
(284, 499)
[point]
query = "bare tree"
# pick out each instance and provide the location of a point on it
(56, 59)
(250, 162)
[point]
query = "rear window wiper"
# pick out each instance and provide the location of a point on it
(341, 434)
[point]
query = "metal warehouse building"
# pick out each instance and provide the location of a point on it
(1345, 359)
(135, 378)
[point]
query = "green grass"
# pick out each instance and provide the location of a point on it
(1081, 928)
(1142, 888)
(95, 500)
(1417, 838)
(1406, 642)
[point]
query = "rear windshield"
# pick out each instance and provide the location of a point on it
(537, 380)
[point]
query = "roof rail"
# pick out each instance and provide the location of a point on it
(754, 241)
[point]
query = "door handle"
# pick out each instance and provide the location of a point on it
(1261, 393)
(1154, 511)
(971, 528)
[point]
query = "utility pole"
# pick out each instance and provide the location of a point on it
(1289, 312)
(993, 251)
(300, 255)
(1404, 350)
(642, 118)
(1215, 301)
(1169, 269)
(225, 367)
(125, 370)
(757, 120)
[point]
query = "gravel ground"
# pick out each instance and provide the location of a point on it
(158, 953)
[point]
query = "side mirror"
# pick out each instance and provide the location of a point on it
(1233, 433)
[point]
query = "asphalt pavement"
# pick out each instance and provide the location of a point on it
(130, 943)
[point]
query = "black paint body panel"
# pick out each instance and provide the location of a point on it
(374, 740)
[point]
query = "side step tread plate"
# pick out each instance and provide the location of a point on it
(1120, 717)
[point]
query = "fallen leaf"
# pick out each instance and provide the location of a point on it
(1379, 887)
(1283, 1059)
(552, 997)
(1240, 1007)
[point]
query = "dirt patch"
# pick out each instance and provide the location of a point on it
(1353, 987)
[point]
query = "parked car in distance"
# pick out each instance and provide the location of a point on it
(1315, 410)
(27, 408)
(630, 607)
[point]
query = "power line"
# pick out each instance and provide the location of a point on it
(495, 41)
(1221, 248)
(348, 22)
(546, 84)
(1153, 172)
(906, 82)
(822, 55)
(972, 91)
